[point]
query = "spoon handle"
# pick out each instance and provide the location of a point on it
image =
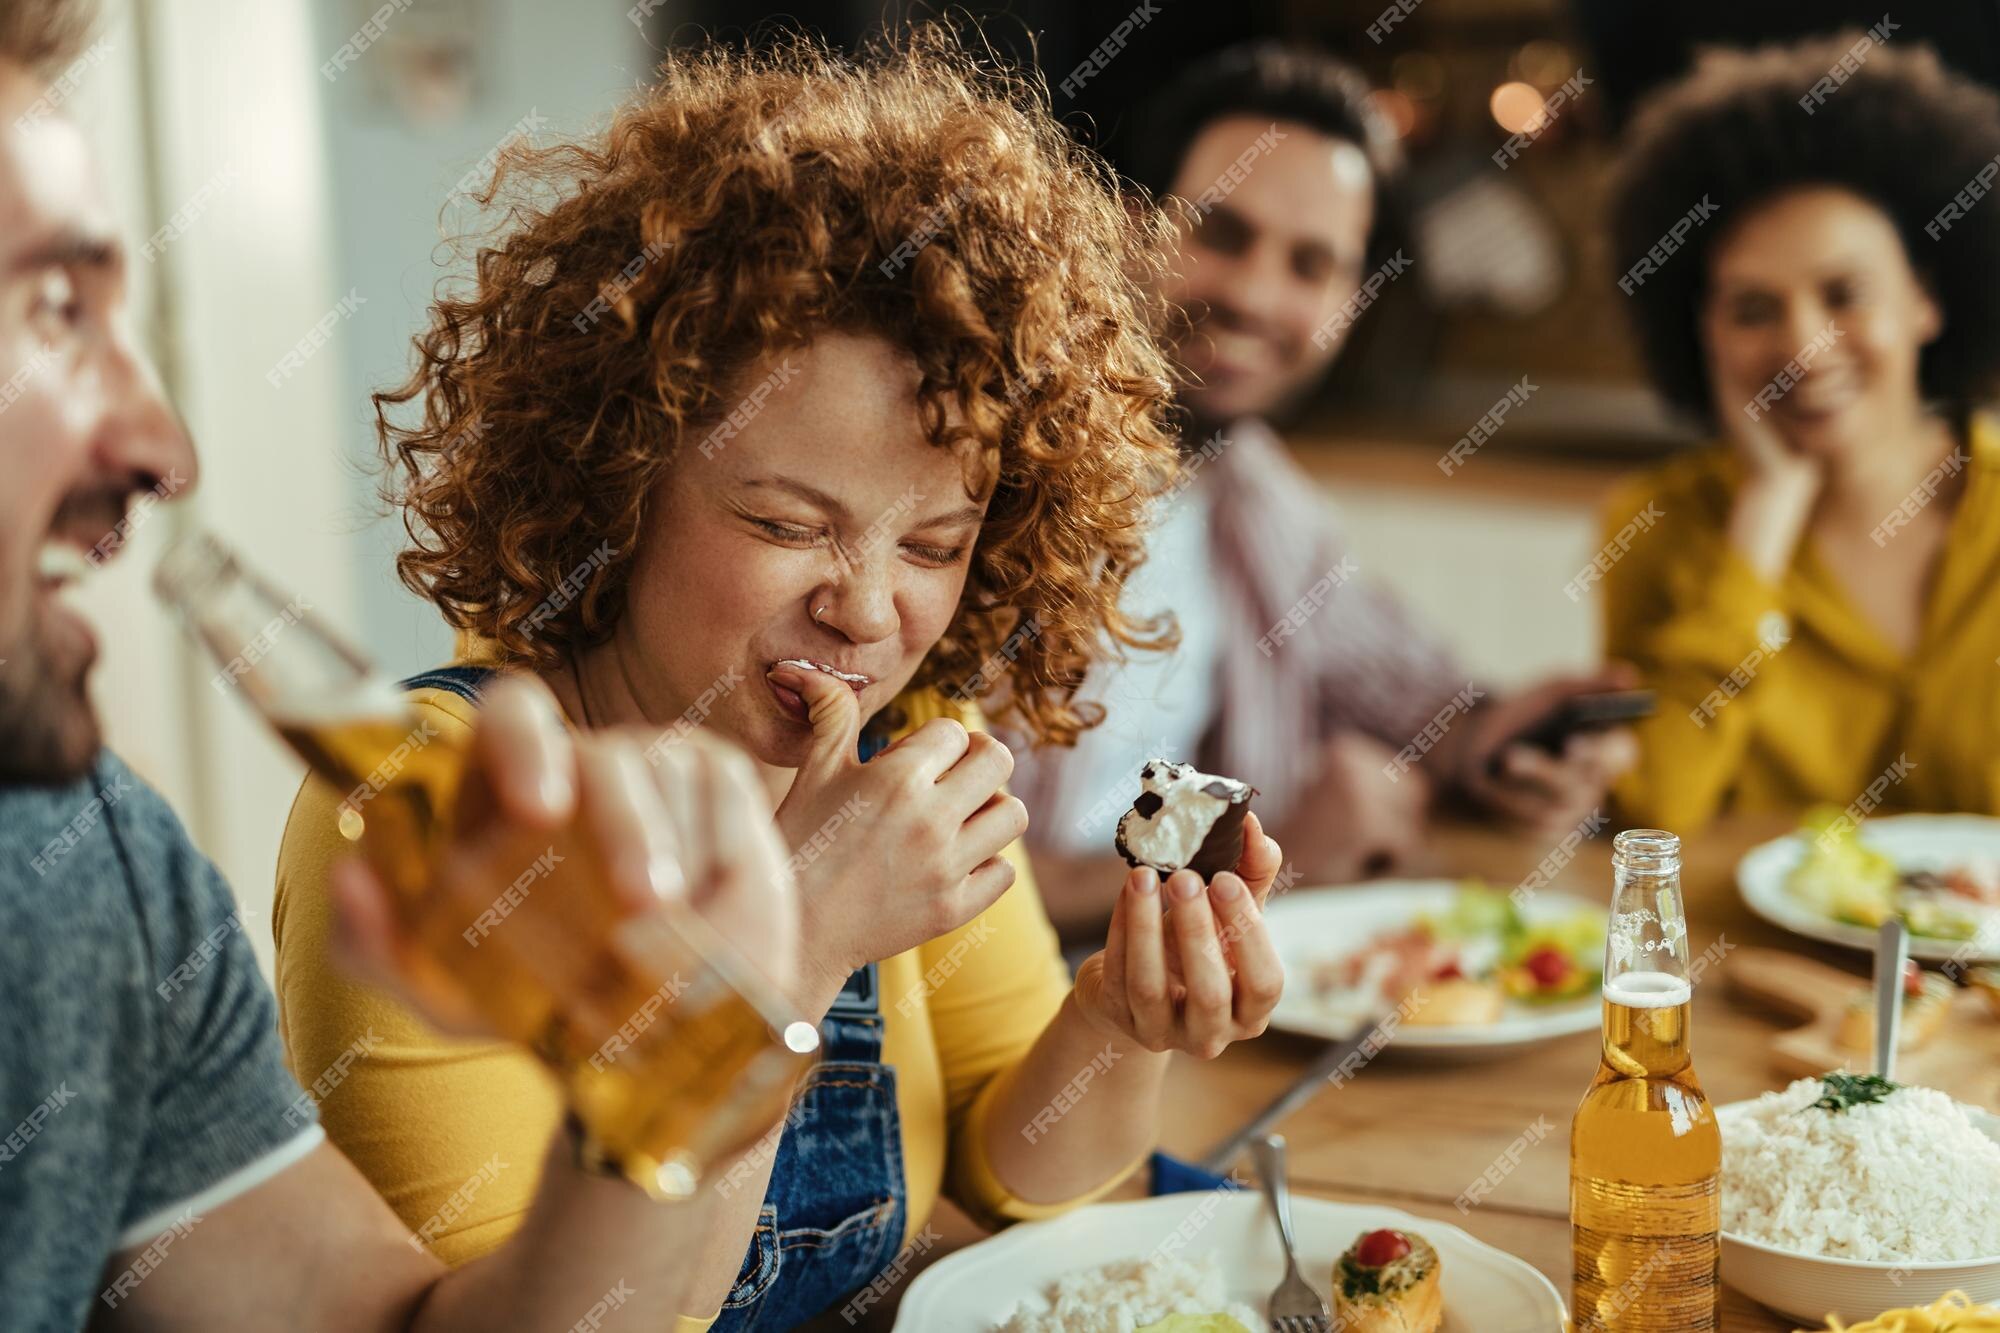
(1892, 952)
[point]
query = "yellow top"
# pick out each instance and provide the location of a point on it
(1775, 696)
(420, 1114)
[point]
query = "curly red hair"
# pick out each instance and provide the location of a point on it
(743, 203)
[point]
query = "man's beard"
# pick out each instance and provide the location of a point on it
(1190, 423)
(1191, 412)
(48, 731)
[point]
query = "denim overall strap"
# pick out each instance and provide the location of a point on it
(837, 1205)
(872, 744)
(835, 1210)
(464, 681)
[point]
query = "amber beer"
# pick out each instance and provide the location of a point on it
(1645, 1154)
(680, 1055)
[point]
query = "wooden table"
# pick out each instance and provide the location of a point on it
(1413, 1135)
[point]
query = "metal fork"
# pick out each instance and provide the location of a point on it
(1296, 1306)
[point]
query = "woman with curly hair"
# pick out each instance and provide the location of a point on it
(1816, 596)
(809, 402)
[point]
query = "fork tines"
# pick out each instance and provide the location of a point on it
(1303, 1323)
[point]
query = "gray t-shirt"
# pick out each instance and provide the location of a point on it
(141, 1078)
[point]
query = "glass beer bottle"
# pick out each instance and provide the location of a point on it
(1645, 1155)
(683, 1053)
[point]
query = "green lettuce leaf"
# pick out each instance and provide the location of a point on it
(1839, 876)
(1476, 912)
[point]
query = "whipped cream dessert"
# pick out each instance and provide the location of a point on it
(1185, 819)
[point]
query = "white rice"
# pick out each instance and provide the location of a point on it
(1907, 1178)
(1125, 1296)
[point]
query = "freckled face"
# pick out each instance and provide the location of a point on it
(828, 497)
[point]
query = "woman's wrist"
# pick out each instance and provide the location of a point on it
(827, 958)
(819, 983)
(1768, 520)
(1078, 1009)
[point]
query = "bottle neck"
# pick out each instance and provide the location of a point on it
(1646, 944)
(271, 647)
(1646, 1042)
(1646, 989)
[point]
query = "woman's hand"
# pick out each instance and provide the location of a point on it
(1187, 967)
(892, 853)
(1547, 794)
(1781, 483)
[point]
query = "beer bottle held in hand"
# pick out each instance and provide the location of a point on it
(677, 1052)
(1645, 1155)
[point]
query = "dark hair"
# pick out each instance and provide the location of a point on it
(1743, 126)
(1263, 79)
(44, 35)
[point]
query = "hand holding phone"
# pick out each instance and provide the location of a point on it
(1580, 713)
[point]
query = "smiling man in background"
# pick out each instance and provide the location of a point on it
(1294, 671)
(159, 1168)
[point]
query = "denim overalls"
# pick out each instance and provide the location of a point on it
(834, 1212)
(833, 1216)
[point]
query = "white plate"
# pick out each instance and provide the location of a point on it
(1312, 926)
(1913, 842)
(1485, 1290)
(1808, 1287)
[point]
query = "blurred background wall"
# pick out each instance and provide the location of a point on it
(290, 166)
(283, 188)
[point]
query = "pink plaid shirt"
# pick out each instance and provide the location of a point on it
(1286, 642)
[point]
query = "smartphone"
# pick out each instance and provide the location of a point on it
(1583, 712)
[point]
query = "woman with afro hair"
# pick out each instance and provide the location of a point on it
(1816, 594)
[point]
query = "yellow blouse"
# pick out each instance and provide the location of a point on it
(1776, 696)
(422, 1114)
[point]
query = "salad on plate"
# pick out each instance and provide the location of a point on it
(1847, 880)
(1463, 964)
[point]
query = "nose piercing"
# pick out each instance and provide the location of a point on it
(817, 613)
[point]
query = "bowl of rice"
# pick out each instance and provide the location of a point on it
(1845, 1197)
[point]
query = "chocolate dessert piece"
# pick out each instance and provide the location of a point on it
(1185, 819)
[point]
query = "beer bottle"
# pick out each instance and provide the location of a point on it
(1645, 1154)
(681, 1053)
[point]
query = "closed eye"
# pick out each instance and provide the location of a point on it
(789, 533)
(935, 555)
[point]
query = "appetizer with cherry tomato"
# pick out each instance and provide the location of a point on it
(1387, 1282)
